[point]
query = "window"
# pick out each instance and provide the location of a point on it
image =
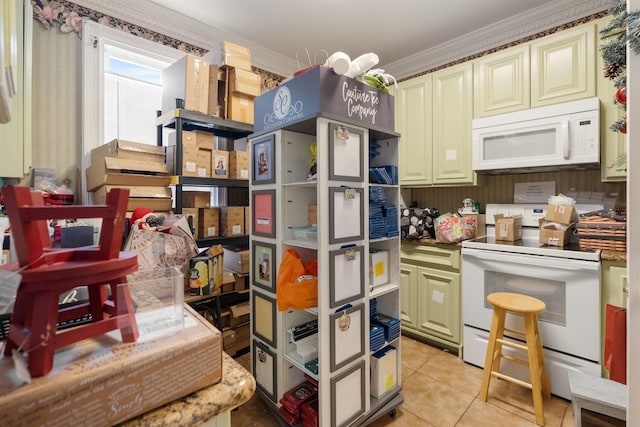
(122, 87)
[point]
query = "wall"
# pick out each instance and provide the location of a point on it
(499, 189)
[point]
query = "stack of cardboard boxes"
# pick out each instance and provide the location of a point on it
(557, 226)
(139, 167)
(210, 221)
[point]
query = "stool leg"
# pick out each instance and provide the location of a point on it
(534, 366)
(41, 345)
(497, 329)
(546, 390)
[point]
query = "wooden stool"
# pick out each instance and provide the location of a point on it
(529, 308)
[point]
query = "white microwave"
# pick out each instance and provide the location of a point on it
(546, 138)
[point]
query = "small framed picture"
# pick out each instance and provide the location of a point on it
(263, 265)
(264, 213)
(264, 162)
(264, 315)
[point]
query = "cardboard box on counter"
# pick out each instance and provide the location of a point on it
(560, 213)
(480, 224)
(508, 228)
(122, 149)
(109, 381)
(551, 236)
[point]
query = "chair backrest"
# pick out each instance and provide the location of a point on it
(28, 216)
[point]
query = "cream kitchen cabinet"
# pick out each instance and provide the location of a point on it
(501, 82)
(430, 288)
(433, 113)
(413, 120)
(613, 145)
(563, 66)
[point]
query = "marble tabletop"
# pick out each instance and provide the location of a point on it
(235, 388)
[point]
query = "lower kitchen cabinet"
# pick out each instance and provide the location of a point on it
(430, 294)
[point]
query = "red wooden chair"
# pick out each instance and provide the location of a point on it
(48, 272)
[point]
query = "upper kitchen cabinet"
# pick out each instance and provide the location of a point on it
(413, 120)
(613, 145)
(452, 115)
(433, 115)
(502, 82)
(563, 66)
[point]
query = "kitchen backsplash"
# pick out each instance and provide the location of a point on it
(499, 189)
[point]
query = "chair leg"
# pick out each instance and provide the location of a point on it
(41, 345)
(97, 297)
(497, 325)
(534, 367)
(21, 309)
(125, 311)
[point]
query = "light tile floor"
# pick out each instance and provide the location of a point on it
(441, 390)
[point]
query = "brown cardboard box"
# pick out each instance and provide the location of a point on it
(196, 199)
(225, 317)
(240, 282)
(559, 213)
(551, 236)
(212, 107)
(247, 220)
(127, 179)
(232, 220)
(238, 165)
(240, 107)
(155, 204)
(312, 215)
(229, 339)
(150, 191)
(220, 164)
(103, 377)
(208, 222)
(122, 149)
(229, 54)
(97, 173)
(197, 149)
(240, 314)
(192, 215)
(228, 282)
(187, 79)
(508, 228)
(243, 336)
(236, 260)
(245, 82)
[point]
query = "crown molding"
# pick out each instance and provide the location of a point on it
(503, 32)
(162, 20)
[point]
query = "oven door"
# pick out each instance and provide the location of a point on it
(569, 288)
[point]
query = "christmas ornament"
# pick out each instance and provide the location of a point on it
(621, 95)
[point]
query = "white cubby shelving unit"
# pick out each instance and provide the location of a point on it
(280, 156)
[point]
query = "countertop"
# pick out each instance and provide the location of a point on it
(604, 255)
(235, 388)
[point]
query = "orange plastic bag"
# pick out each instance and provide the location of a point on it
(297, 286)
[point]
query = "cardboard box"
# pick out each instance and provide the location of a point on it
(155, 204)
(225, 317)
(245, 82)
(560, 214)
(508, 228)
(232, 221)
(125, 179)
(236, 260)
(192, 219)
(212, 106)
(220, 164)
(229, 340)
(187, 79)
(228, 282)
(240, 283)
(196, 199)
(238, 165)
(551, 236)
(240, 107)
(243, 336)
(122, 149)
(240, 314)
(104, 377)
(247, 220)
(208, 222)
(312, 215)
(151, 191)
(98, 172)
(229, 54)
(197, 147)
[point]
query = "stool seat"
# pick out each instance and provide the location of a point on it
(529, 307)
(516, 303)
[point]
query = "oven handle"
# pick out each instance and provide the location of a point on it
(541, 261)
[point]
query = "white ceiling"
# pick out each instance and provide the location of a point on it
(409, 36)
